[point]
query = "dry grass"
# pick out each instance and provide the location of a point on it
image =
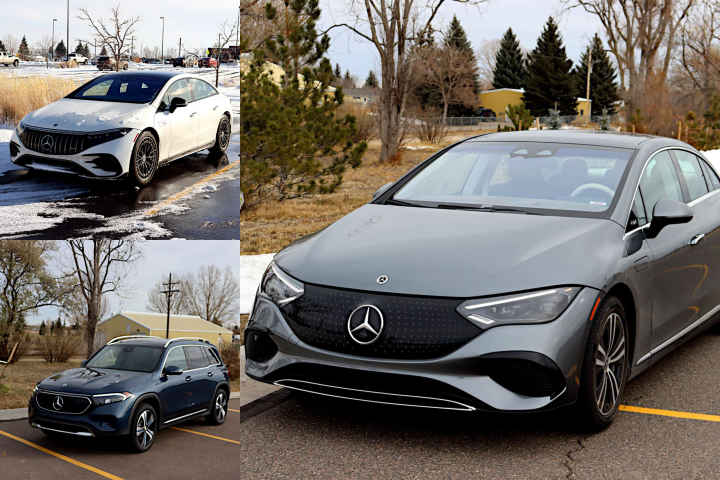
(269, 227)
(21, 95)
(21, 378)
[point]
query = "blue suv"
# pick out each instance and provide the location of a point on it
(133, 387)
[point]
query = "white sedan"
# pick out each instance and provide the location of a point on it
(124, 125)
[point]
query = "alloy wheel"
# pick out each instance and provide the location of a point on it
(610, 364)
(224, 133)
(145, 430)
(220, 406)
(146, 158)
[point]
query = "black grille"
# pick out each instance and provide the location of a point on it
(70, 404)
(59, 143)
(525, 373)
(259, 347)
(414, 327)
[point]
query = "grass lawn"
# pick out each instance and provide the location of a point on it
(21, 378)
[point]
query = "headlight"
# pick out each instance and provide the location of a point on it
(99, 138)
(279, 286)
(107, 398)
(35, 390)
(20, 128)
(532, 307)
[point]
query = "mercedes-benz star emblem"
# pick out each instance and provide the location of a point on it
(47, 142)
(58, 403)
(365, 324)
(382, 279)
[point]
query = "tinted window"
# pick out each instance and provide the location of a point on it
(637, 214)
(199, 88)
(126, 357)
(710, 174)
(127, 89)
(195, 357)
(659, 180)
(176, 358)
(212, 357)
(693, 173)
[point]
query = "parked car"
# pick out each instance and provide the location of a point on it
(7, 59)
(168, 61)
(94, 60)
(485, 112)
(518, 271)
(207, 62)
(137, 122)
(79, 58)
(108, 63)
(184, 62)
(132, 388)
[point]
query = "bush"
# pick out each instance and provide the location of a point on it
(67, 64)
(429, 125)
(21, 95)
(58, 348)
(366, 121)
(520, 116)
(8, 343)
(230, 353)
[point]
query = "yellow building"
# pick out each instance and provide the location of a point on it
(154, 324)
(276, 73)
(499, 99)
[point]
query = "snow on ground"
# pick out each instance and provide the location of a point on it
(713, 157)
(252, 268)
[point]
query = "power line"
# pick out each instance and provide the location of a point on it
(168, 294)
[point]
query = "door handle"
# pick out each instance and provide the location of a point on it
(216, 107)
(696, 239)
(193, 114)
(210, 374)
(188, 378)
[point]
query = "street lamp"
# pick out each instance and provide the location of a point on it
(162, 43)
(52, 42)
(67, 45)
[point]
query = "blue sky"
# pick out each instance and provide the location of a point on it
(526, 17)
(161, 257)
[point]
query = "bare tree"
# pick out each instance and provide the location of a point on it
(115, 33)
(213, 294)
(100, 267)
(225, 33)
(157, 301)
(486, 55)
(255, 27)
(451, 73)
(641, 34)
(45, 45)
(393, 27)
(12, 44)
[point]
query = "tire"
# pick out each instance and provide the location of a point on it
(143, 429)
(219, 408)
(222, 136)
(16, 63)
(125, 67)
(144, 160)
(597, 404)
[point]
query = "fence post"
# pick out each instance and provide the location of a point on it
(520, 125)
(633, 128)
(679, 129)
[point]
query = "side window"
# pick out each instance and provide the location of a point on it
(181, 89)
(693, 173)
(637, 214)
(711, 176)
(212, 358)
(176, 358)
(200, 89)
(195, 357)
(659, 180)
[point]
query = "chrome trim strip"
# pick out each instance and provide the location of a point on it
(636, 230)
(63, 394)
(81, 434)
(703, 197)
(117, 339)
(679, 335)
(197, 339)
(73, 132)
(185, 416)
(466, 408)
(192, 369)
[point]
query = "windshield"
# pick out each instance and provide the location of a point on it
(126, 357)
(520, 176)
(121, 88)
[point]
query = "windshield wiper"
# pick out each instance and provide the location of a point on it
(402, 203)
(486, 208)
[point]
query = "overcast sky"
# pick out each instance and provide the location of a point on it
(526, 17)
(161, 257)
(195, 21)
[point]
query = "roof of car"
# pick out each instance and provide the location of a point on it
(159, 342)
(580, 137)
(149, 73)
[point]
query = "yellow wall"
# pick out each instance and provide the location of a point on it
(498, 101)
(212, 337)
(117, 327)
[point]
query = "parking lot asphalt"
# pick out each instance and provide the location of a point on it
(305, 435)
(189, 451)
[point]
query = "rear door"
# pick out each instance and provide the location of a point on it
(203, 386)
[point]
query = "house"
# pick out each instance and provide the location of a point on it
(498, 100)
(155, 324)
(361, 96)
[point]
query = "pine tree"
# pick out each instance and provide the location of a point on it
(79, 48)
(347, 74)
(24, 51)
(509, 69)
(2, 46)
(103, 51)
(603, 84)
(549, 79)
(554, 122)
(338, 71)
(455, 37)
(604, 123)
(371, 81)
(43, 328)
(86, 50)
(60, 50)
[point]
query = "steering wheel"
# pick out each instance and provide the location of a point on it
(593, 186)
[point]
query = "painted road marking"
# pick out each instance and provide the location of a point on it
(173, 198)
(231, 410)
(61, 457)
(670, 413)
(206, 435)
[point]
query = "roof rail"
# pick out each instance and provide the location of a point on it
(117, 339)
(198, 339)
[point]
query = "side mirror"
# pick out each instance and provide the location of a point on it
(668, 212)
(173, 370)
(381, 190)
(82, 364)
(176, 103)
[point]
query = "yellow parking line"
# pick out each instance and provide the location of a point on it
(61, 457)
(231, 410)
(206, 435)
(670, 413)
(185, 191)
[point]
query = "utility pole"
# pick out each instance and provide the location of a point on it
(162, 43)
(67, 45)
(237, 36)
(132, 48)
(180, 47)
(52, 47)
(587, 92)
(169, 293)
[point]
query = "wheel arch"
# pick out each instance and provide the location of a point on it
(151, 399)
(623, 293)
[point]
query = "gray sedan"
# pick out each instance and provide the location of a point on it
(518, 271)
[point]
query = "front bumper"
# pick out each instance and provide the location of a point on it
(470, 378)
(102, 421)
(110, 160)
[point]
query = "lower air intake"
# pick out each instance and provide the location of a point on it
(259, 347)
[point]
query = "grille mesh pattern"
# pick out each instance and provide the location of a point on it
(70, 404)
(415, 327)
(62, 143)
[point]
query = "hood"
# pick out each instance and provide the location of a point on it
(94, 380)
(90, 116)
(454, 253)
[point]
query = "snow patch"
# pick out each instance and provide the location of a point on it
(131, 119)
(80, 122)
(713, 157)
(252, 268)
(420, 147)
(107, 116)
